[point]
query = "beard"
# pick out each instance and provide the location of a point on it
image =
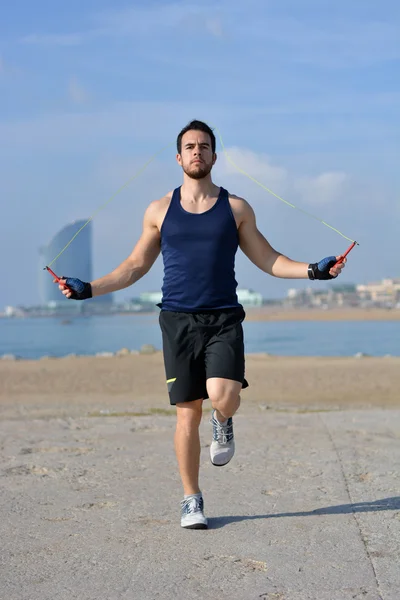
(197, 171)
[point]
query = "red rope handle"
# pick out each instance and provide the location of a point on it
(57, 278)
(343, 256)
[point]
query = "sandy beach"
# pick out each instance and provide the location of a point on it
(285, 313)
(315, 314)
(77, 386)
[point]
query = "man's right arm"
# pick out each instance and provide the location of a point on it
(137, 264)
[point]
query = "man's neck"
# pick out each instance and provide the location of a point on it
(196, 190)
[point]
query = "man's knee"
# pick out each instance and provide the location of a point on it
(224, 395)
(226, 405)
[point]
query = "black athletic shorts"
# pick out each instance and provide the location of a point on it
(198, 346)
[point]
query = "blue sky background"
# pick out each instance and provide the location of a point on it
(306, 96)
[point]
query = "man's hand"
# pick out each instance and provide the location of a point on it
(76, 290)
(326, 268)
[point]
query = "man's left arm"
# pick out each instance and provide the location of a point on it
(260, 252)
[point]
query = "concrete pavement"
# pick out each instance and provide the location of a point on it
(308, 509)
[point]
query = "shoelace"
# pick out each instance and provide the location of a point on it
(192, 505)
(222, 433)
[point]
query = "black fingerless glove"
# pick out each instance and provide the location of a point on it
(81, 290)
(321, 270)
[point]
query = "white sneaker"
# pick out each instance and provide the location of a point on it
(192, 515)
(223, 445)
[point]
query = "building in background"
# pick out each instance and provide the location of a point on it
(385, 293)
(150, 298)
(75, 261)
(248, 298)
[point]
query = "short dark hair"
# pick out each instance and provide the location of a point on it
(196, 126)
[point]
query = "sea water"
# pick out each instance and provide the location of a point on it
(33, 338)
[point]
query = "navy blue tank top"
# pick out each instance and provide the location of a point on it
(199, 257)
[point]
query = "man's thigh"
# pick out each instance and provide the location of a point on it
(223, 389)
(184, 365)
(224, 352)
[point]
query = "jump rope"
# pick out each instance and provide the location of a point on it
(239, 169)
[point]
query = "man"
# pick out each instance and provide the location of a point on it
(198, 228)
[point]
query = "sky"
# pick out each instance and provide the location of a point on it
(306, 96)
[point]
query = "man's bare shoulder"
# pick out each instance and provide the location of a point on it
(240, 207)
(157, 209)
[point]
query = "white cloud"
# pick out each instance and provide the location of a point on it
(76, 92)
(241, 160)
(322, 189)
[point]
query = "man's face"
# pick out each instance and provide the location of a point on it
(196, 158)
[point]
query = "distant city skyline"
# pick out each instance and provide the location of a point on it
(374, 294)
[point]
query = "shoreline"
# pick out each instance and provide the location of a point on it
(259, 314)
(10, 358)
(309, 314)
